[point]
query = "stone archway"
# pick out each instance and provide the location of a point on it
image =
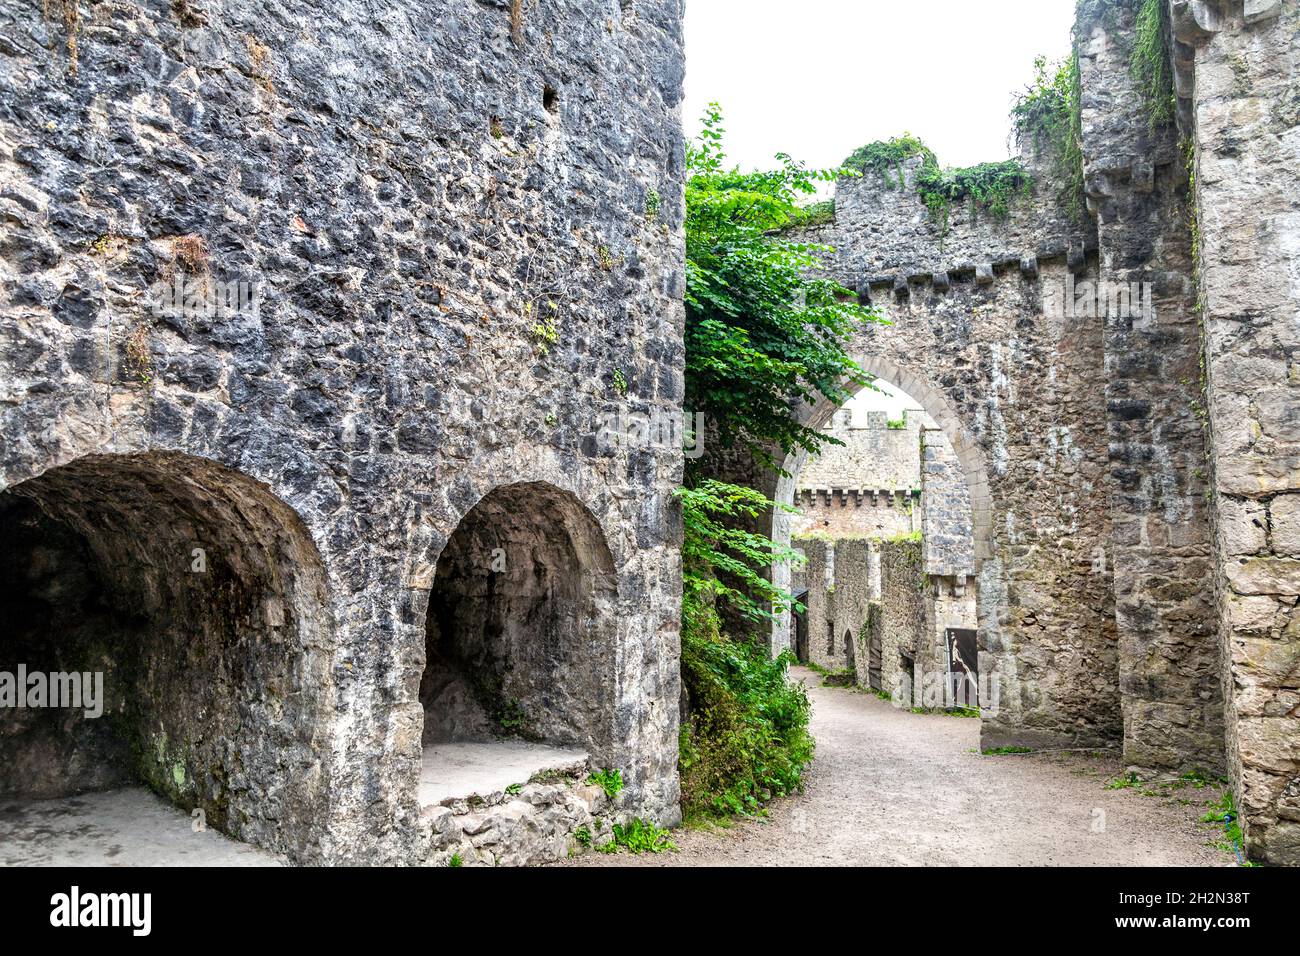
(970, 456)
(197, 601)
(520, 648)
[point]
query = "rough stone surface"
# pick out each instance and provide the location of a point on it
(1012, 385)
(869, 485)
(549, 818)
(1242, 108)
(1160, 544)
(901, 627)
(947, 532)
(462, 243)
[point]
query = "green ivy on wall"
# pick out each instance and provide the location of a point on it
(1049, 113)
(988, 187)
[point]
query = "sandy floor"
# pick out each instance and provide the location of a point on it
(130, 827)
(894, 788)
(461, 770)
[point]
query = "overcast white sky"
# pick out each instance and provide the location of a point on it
(819, 78)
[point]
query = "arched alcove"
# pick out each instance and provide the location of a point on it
(195, 600)
(520, 639)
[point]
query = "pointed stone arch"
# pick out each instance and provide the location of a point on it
(968, 452)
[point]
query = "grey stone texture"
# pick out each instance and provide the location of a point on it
(1237, 66)
(1014, 388)
(549, 818)
(1160, 545)
(903, 601)
(462, 238)
(947, 532)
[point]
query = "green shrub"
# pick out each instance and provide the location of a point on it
(638, 836)
(887, 156)
(611, 781)
(746, 738)
(815, 214)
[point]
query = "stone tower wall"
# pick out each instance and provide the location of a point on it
(465, 236)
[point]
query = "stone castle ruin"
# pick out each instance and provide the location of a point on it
(347, 550)
(885, 522)
(309, 325)
(1132, 472)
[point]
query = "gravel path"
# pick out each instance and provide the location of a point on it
(893, 788)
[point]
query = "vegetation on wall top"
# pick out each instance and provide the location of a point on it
(990, 187)
(1149, 62)
(1049, 113)
(886, 156)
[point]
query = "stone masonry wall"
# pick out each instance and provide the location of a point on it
(463, 235)
(873, 456)
(1159, 547)
(1238, 77)
(853, 559)
(866, 487)
(947, 533)
(902, 615)
(1013, 387)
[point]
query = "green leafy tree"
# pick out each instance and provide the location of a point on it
(763, 332)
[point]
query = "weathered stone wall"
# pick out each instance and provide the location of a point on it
(874, 454)
(853, 557)
(884, 235)
(947, 534)
(949, 603)
(842, 512)
(462, 241)
(1013, 386)
(868, 486)
(1159, 545)
(902, 615)
(1238, 77)
(824, 647)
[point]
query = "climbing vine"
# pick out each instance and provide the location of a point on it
(1049, 113)
(1149, 62)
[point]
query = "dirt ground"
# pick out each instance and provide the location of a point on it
(887, 788)
(893, 788)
